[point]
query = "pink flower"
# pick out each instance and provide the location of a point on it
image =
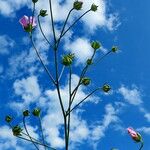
(135, 135)
(28, 23)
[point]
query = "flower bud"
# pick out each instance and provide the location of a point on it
(77, 5)
(8, 119)
(95, 45)
(34, 1)
(94, 7)
(106, 88)
(68, 59)
(114, 49)
(89, 61)
(134, 135)
(85, 81)
(26, 113)
(17, 130)
(36, 112)
(43, 13)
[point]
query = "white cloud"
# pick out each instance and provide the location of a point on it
(145, 130)
(28, 89)
(6, 43)
(10, 7)
(132, 95)
(81, 48)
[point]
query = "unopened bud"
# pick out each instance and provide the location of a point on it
(77, 5)
(89, 61)
(17, 130)
(68, 59)
(8, 119)
(34, 1)
(106, 88)
(94, 7)
(43, 13)
(26, 113)
(95, 45)
(86, 81)
(36, 112)
(114, 49)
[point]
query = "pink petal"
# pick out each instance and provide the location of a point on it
(132, 132)
(24, 21)
(33, 22)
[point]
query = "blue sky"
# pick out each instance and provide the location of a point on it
(102, 121)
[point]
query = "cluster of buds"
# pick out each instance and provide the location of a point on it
(85, 81)
(95, 45)
(68, 59)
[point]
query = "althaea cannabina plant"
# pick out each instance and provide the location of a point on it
(29, 24)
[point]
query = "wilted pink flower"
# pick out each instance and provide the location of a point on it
(135, 135)
(28, 23)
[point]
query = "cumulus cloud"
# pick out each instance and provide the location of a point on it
(28, 89)
(6, 43)
(132, 96)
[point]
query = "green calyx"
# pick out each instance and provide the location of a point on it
(43, 13)
(94, 7)
(95, 45)
(85, 81)
(26, 113)
(8, 119)
(77, 5)
(17, 130)
(67, 59)
(36, 112)
(29, 28)
(106, 88)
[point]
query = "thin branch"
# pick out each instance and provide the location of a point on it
(29, 134)
(34, 142)
(75, 22)
(83, 100)
(52, 20)
(62, 71)
(64, 27)
(142, 144)
(43, 32)
(44, 66)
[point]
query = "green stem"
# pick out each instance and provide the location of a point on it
(52, 20)
(43, 32)
(75, 22)
(142, 144)
(29, 134)
(35, 142)
(44, 66)
(62, 71)
(82, 100)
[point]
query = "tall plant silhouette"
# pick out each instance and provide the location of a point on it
(29, 25)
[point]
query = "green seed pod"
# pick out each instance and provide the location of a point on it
(86, 81)
(89, 61)
(36, 112)
(68, 59)
(17, 130)
(26, 113)
(106, 88)
(8, 119)
(34, 1)
(94, 7)
(77, 5)
(43, 13)
(95, 45)
(114, 49)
